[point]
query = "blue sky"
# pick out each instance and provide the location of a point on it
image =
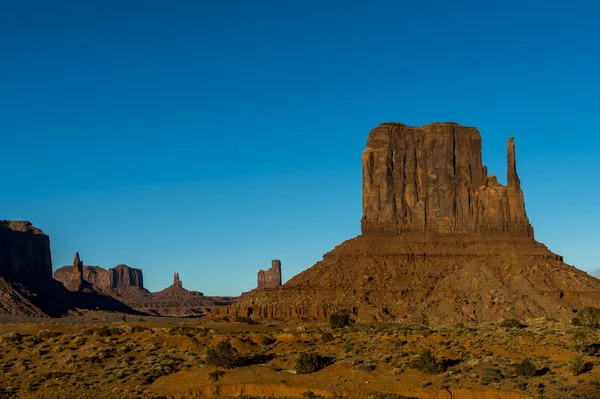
(208, 138)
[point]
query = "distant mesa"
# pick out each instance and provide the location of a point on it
(442, 242)
(270, 278)
(176, 301)
(176, 289)
(119, 281)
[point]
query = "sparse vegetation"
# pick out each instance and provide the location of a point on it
(326, 336)
(340, 320)
(311, 362)
(579, 366)
(588, 317)
(216, 375)
(526, 368)
(132, 357)
(427, 363)
(511, 323)
(244, 319)
(223, 355)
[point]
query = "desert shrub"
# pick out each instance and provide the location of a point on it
(490, 375)
(366, 367)
(326, 336)
(575, 321)
(223, 355)
(47, 334)
(526, 368)
(427, 363)
(216, 375)
(244, 319)
(511, 323)
(12, 338)
(108, 331)
(310, 362)
(340, 320)
(589, 317)
(266, 340)
(578, 366)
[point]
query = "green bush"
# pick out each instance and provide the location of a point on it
(589, 317)
(511, 323)
(326, 336)
(578, 366)
(526, 368)
(223, 355)
(340, 320)
(310, 362)
(216, 375)
(427, 363)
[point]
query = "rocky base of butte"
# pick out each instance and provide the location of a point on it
(442, 241)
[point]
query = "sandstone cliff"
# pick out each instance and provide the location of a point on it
(442, 242)
(24, 252)
(270, 278)
(432, 179)
(120, 281)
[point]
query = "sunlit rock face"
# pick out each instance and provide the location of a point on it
(431, 179)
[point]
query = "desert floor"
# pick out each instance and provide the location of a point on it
(112, 356)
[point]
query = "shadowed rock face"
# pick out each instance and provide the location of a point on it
(442, 242)
(432, 179)
(121, 280)
(24, 252)
(270, 278)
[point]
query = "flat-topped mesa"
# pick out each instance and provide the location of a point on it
(120, 280)
(270, 278)
(431, 179)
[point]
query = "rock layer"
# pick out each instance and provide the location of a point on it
(442, 242)
(270, 278)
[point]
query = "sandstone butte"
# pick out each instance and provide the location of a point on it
(119, 281)
(270, 278)
(26, 283)
(442, 242)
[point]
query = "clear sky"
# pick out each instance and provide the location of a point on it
(208, 138)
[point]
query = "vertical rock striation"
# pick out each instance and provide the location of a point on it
(431, 179)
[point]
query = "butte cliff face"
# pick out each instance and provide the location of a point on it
(442, 241)
(432, 179)
(120, 281)
(24, 253)
(270, 278)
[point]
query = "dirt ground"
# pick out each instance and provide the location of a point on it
(111, 356)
